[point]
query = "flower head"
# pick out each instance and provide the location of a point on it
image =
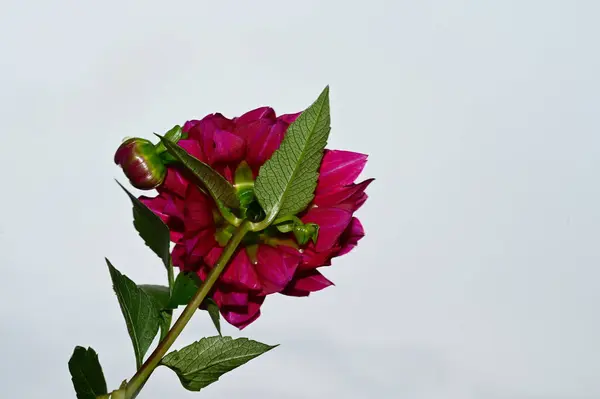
(281, 259)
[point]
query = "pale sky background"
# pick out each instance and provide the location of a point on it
(479, 274)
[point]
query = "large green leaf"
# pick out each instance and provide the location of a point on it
(149, 226)
(286, 182)
(140, 310)
(203, 362)
(218, 187)
(86, 373)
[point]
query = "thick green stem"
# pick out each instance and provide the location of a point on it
(142, 375)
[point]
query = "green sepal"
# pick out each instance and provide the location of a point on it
(306, 232)
(302, 232)
(174, 135)
(244, 184)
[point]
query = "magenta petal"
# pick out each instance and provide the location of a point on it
(263, 142)
(198, 211)
(192, 147)
(340, 168)
(340, 195)
(240, 273)
(170, 209)
(332, 223)
(253, 130)
(225, 171)
(174, 183)
(241, 318)
(289, 118)
(311, 258)
(178, 255)
(156, 205)
(230, 299)
(175, 236)
(211, 258)
(275, 268)
(306, 282)
(205, 128)
(354, 202)
(254, 115)
(351, 236)
(198, 246)
(189, 125)
(227, 147)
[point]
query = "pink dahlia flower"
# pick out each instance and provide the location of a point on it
(267, 262)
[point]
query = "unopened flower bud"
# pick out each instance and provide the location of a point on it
(141, 163)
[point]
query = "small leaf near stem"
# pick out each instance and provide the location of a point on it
(213, 311)
(186, 285)
(139, 379)
(86, 374)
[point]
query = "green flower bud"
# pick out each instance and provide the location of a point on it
(141, 163)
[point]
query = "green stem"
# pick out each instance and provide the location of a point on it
(170, 276)
(142, 375)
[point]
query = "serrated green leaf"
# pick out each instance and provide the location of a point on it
(218, 187)
(140, 311)
(152, 230)
(203, 362)
(214, 313)
(186, 285)
(286, 182)
(86, 373)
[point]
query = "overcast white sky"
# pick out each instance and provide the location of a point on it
(478, 277)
